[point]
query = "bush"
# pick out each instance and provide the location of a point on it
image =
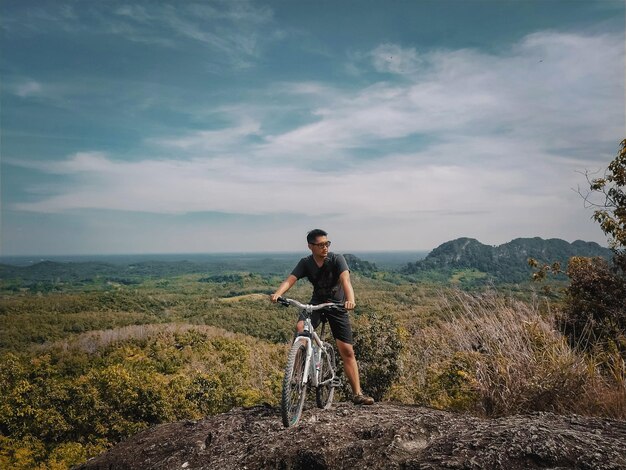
(594, 314)
(54, 416)
(495, 356)
(452, 384)
(377, 347)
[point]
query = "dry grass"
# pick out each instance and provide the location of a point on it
(497, 356)
(239, 298)
(97, 340)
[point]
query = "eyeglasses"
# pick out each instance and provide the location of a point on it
(321, 245)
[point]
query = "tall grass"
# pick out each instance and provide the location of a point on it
(497, 356)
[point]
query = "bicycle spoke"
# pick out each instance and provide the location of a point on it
(294, 390)
(325, 391)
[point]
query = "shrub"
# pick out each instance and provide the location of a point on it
(52, 416)
(594, 314)
(594, 317)
(496, 356)
(207, 394)
(452, 383)
(378, 347)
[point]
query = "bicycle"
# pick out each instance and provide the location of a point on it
(310, 360)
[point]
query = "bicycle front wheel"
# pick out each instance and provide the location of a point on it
(324, 393)
(294, 388)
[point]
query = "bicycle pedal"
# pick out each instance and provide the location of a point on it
(336, 382)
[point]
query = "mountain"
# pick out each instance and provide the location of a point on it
(507, 262)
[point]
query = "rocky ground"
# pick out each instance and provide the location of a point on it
(385, 436)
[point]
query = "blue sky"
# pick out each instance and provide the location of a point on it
(217, 126)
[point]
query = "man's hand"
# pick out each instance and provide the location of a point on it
(284, 287)
(344, 279)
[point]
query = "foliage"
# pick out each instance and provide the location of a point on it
(53, 276)
(497, 356)
(52, 412)
(611, 212)
(377, 347)
(93, 360)
(357, 265)
(499, 264)
(452, 384)
(594, 315)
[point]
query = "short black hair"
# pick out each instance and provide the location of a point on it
(313, 234)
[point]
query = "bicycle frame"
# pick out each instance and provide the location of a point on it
(304, 367)
(310, 337)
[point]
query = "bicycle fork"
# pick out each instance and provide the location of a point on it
(306, 373)
(312, 364)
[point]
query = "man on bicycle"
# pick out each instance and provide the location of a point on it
(330, 276)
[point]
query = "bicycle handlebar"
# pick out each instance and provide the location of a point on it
(286, 302)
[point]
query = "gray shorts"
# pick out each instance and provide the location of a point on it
(339, 323)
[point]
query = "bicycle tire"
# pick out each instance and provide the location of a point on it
(294, 390)
(324, 393)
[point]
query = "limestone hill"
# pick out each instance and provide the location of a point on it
(507, 262)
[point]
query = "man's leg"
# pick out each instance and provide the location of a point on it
(351, 369)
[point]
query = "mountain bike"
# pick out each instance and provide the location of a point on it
(311, 361)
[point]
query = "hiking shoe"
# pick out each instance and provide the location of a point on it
(362, 400)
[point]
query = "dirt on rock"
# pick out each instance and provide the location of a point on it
(382, 436)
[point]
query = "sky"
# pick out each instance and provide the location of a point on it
(238, 126)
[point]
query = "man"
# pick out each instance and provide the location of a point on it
(330, 276)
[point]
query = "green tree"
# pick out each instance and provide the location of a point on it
(594, 315)
(610, 210)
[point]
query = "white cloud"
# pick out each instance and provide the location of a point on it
(475, 139)
(172, 186)
(28, 88)
(214, 141)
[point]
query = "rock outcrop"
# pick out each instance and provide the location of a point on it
(383, 436)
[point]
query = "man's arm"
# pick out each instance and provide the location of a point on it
(344, 279)
(284, 287)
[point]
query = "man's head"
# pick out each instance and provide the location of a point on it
(311, 237)
(318, 242)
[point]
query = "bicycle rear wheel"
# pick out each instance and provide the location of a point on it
(324, 393)
(294, 389)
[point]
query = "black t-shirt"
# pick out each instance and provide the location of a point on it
(325, 280)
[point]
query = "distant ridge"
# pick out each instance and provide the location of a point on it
(507, 262)
(360, 266)
(130, 273)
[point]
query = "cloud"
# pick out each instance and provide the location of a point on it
(236, 31)
(28, 88)
(201, 185)
(558, 92)
(214, 141)
(459, 132)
